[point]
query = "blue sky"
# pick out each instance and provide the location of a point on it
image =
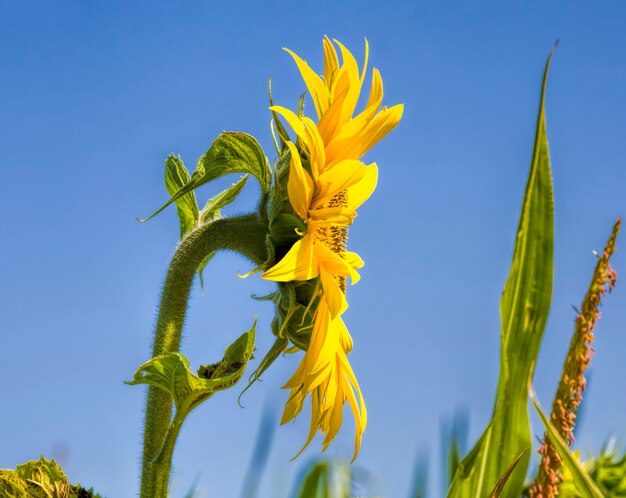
(95, 95)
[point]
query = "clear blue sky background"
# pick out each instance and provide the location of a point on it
(94, 95)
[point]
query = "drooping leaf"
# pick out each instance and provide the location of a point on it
(583, 482)
(171, 372)
(202, 266)
(211, 209)
(277, 348)
(499, 487)
(524, 311)
(231, 152)
(176, 177)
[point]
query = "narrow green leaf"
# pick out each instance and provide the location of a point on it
(202, 266)
(171, 372)
(231, 152)
(499, 487)
(176, 177)
(524, 309)
(585, 485)
(277, 348)
(212, 208)
(280, 128)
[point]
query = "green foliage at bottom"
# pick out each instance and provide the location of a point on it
(40, 479)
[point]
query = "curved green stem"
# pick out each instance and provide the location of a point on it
(243, 234)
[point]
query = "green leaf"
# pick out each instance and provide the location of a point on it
(202, 265)
(39, 479)
(277, 348)
(171, 373)
(524, 309)
(231, 152)
(280, 128)
(212, 208)
(325, 480)
(583, 482)
(177, 176)
(499, 487)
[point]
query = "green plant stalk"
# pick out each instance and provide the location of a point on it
(243, 234)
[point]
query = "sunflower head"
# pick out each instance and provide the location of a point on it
(319, 184)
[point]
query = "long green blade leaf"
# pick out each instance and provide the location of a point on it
(497, 490)
(524, 311)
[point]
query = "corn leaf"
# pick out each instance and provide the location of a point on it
(325, 480)
(497, 490)
(583, 482)
(524, 308)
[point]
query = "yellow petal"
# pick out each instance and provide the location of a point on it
(353, 85)
(335, 216)
(331, 62)
(299, 185)
(347, 368)
(333, 263)
(333, 294)
(358, 420)
(315, 144)
(317, 88)
(341, 176)
(344, 335)
(355, 262)
(315, 416)
(358, 193)
(365, 59)
(292, 119)
(300, 263)
(294, 404)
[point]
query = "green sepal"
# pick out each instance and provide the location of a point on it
(583, 482)
(285, 230)
(171, 372)
(176, 177)
(280, 128)
(231, 152)
(301, 103)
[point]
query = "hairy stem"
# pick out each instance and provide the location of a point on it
(243, 234)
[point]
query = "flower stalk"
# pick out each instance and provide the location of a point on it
(243, 234)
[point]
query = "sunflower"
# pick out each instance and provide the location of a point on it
(325, 193)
